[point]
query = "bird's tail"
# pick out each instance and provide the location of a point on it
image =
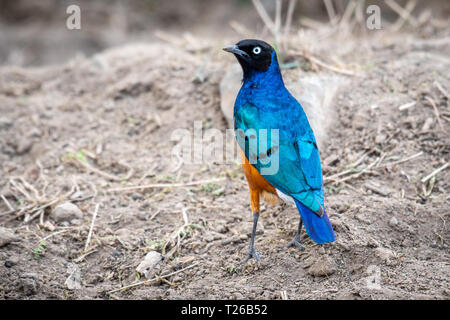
(318, 229)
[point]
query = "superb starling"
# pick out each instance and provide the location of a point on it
(279, 151)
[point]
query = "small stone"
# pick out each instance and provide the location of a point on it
(372, 243)
(116, 253)
(49, 226)
(7, 236)
(128, 236)
(24, 145)
(10, 262)
(386, 255)
(360, 120)
(150, 261)
(322, 267)
(238, 296)
(393, 222)
(136, 196)
(66, 211)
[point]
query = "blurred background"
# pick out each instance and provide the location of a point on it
(34, 32)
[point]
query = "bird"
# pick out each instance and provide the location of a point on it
(280, 157)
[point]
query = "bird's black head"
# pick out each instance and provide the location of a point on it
(252, 54)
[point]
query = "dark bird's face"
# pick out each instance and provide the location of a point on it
(252, 54)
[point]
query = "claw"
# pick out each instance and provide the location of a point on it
(253, 254)
(294, 242)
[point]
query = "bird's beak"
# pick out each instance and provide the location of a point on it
(235, 50)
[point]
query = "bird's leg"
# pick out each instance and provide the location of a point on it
(252, 253)
(296, 241)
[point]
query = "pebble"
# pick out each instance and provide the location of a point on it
(372, 243)
(393, 222)
(386, 255)
(324, 266)
(11, 261)
(116, 253)
(150, 261)
(66, 211)
(360, 120)
(24, 146)
(136, 196)
(238, 296)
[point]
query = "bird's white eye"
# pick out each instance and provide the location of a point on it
(257, 50)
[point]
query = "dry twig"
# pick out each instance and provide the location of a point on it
(290, 12)
(157, 278)
(441, 89)
(265, 17)
(165, 185)
(404, 13)
(10, 207)
(88, 240)
(436, 112)
(330, 11)
(435, 172)
(407, 105)
(325, 65)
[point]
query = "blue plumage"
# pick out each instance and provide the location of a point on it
(318, 229)
(264, 103)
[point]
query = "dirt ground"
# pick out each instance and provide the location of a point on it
(77, 131)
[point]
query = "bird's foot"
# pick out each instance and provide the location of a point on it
(294, 242)
(252, 254)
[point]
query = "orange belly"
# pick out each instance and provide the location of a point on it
(258, 185)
